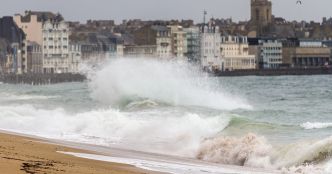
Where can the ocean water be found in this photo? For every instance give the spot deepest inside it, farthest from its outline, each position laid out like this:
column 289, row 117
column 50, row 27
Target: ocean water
column 172, row 108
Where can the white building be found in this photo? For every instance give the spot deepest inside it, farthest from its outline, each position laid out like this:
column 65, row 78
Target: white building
column 235, row 52
column 311, row 43
column 56, row 46
column 270, row 54
column 210, row 48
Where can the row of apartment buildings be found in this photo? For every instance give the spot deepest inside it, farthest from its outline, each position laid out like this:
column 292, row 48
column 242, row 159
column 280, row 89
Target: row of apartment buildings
column 273, row 53
column 202, row 44
column 43, row 42
column 38, row 43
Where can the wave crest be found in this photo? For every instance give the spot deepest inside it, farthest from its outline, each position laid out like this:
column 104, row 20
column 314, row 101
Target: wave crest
column 317, row 125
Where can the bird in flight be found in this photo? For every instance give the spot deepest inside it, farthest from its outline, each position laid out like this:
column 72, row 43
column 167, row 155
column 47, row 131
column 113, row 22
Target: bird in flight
column 299, row 2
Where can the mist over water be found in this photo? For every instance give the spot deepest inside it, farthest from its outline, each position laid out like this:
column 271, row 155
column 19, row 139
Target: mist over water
column 173, row 108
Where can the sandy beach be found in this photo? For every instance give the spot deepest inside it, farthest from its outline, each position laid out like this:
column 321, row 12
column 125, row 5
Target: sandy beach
column 20, row 155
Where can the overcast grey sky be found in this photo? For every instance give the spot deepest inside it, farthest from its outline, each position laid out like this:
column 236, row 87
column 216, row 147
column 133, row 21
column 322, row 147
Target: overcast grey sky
column 81, row 10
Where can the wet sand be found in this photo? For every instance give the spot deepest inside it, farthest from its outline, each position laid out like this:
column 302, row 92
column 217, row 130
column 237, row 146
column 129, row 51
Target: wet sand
column 19, row 155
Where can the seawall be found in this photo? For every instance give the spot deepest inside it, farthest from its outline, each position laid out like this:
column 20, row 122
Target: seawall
column 277, row 72
column 41, row 79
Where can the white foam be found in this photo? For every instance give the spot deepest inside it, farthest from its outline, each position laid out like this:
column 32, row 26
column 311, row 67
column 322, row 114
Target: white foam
column 167, row 131
column 328, row 167
column 316, row 125
column 175, row 83
column 15, row 97
column 250, row 151
column 175, row 167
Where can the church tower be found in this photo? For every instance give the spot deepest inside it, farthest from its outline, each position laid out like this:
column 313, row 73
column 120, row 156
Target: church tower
column 261, row 14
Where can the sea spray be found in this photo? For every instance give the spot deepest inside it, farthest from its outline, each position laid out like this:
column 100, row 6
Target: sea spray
column 254, row 151
column 249, row 150
column 121, row 81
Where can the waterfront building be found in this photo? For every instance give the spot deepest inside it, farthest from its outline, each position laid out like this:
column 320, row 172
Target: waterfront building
column 235, row 52
column 14, row 58
column 210, row 48
column 163, row 41
column 34, row 58
column 270, row 53
column 75, row 57
column 31, row 23
column 55, row 46
column 179, row 41
column 193, row 44
column 306, row 43
column 306, row 57
column 98, row 47
column 141, row 51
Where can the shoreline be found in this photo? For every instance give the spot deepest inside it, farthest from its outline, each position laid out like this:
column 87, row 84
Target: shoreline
column 112, row 159
column 29, row 154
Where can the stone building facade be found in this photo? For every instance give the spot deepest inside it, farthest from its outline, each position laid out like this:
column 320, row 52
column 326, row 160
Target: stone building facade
column 261, row 15
column 235, row 52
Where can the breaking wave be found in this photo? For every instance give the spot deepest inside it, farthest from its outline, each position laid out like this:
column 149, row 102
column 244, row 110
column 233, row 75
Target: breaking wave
column 159, row 131
column 316, row 125
column 254, row 151
column 122, row 81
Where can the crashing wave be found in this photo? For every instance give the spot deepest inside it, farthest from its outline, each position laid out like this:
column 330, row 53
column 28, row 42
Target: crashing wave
column 169, row 131
column 254, row 151
column 249, row 150
column 173, row 83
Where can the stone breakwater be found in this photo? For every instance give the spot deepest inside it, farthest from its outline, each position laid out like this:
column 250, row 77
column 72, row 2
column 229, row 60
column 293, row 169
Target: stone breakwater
column 41, row 79
column 277, row 72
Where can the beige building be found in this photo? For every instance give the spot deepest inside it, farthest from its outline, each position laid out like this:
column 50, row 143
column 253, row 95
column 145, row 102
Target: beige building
column 235, row 52
column 305, row 57
column 179, row 41
column 31, row 26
